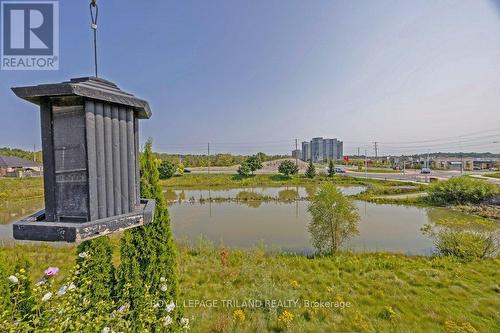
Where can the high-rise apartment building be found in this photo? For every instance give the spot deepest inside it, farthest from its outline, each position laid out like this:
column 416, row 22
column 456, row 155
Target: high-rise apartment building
column 320, row 149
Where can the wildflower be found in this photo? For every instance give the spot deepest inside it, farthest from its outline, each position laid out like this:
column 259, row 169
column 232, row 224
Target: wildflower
column 389, row 313
column 83, row 255
column 51, row 271
column 62, row 290
column 285, row 318
column 106, row 330
column 294, row 284
column 157, row 305
column 467, row 327
column 163, row 287
column 13, row 279
column 185, row 323
column 72, row 286
column 22, row 271
column 122, row 308
column 167, row 320
column 170, row 306
column 47, row 296
column 239, row 315
column 162, row 279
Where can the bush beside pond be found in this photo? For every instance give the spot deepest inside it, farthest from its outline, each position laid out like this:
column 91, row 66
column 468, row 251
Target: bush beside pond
column 461, row 190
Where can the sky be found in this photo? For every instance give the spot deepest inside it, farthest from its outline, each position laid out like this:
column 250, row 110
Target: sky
column 250, row 76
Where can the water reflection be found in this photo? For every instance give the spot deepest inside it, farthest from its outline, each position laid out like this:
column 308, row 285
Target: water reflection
column 250, row 194
column 283, row 225
column 11, row 211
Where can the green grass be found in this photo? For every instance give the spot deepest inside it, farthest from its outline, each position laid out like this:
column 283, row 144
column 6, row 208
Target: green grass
column 14, row 189
column 203, row 181
column 493, row 175
column 386, row 292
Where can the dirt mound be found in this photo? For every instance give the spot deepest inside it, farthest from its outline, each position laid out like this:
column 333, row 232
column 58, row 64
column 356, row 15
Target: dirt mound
column 272, row 166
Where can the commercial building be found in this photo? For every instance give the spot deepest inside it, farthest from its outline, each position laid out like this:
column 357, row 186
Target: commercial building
column 320, row 149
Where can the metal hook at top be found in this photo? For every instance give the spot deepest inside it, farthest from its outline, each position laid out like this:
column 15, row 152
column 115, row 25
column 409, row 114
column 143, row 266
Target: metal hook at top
column 93, row 5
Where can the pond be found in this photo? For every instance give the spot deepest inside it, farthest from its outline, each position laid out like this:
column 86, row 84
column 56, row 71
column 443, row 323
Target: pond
column 278, row 219
column 282, row 225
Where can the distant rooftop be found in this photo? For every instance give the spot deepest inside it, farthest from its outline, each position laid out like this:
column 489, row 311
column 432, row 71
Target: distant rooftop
column 17, row 162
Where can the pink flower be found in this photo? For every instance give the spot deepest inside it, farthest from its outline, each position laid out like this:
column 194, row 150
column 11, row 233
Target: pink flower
column 51, row 271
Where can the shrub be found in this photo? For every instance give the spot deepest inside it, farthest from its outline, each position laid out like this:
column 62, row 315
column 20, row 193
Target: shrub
column 465, row 240
column 254, row 163
column 311, row 170
column 99, row 268
column 331, row 168
column 288, row 168
column 244, row 170
column 460, row 190
column 167, row 169
column 148, row 265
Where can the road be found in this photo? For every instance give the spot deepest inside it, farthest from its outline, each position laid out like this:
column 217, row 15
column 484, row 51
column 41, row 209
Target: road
column 409, row 175
column 416, row 176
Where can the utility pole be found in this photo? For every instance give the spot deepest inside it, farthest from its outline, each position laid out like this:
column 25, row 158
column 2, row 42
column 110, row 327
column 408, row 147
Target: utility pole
column 34, row 153
column 208, row 149
column 375, row 146
column 366, row 163
column 296, row 153
column 461, row 163
column 358, row 152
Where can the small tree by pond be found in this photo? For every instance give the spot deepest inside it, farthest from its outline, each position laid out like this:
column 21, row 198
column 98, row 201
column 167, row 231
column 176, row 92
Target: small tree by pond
column 311, row 170
column 167, row 169
column 288, row 168
column 244, row 170
column 254, row 163
column 334, row 219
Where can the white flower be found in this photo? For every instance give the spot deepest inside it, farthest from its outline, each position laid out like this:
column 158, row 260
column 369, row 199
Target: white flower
column 13, row 279
column 185, row 323
column 72, row 286
column 157, row 305
column 163, row 287
column 83, row 255
column 162, row 279
column 106, row 330
column 170, row 306
column 167, row 320
column 62, row 290
column 47, row 296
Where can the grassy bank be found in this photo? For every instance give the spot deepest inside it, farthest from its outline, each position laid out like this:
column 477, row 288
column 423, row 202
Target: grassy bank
column 224, row 180
column 493, row 175
column 385, row 292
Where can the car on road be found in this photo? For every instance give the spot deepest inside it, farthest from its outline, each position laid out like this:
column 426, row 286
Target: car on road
column 339, row 170
column 425, row 170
